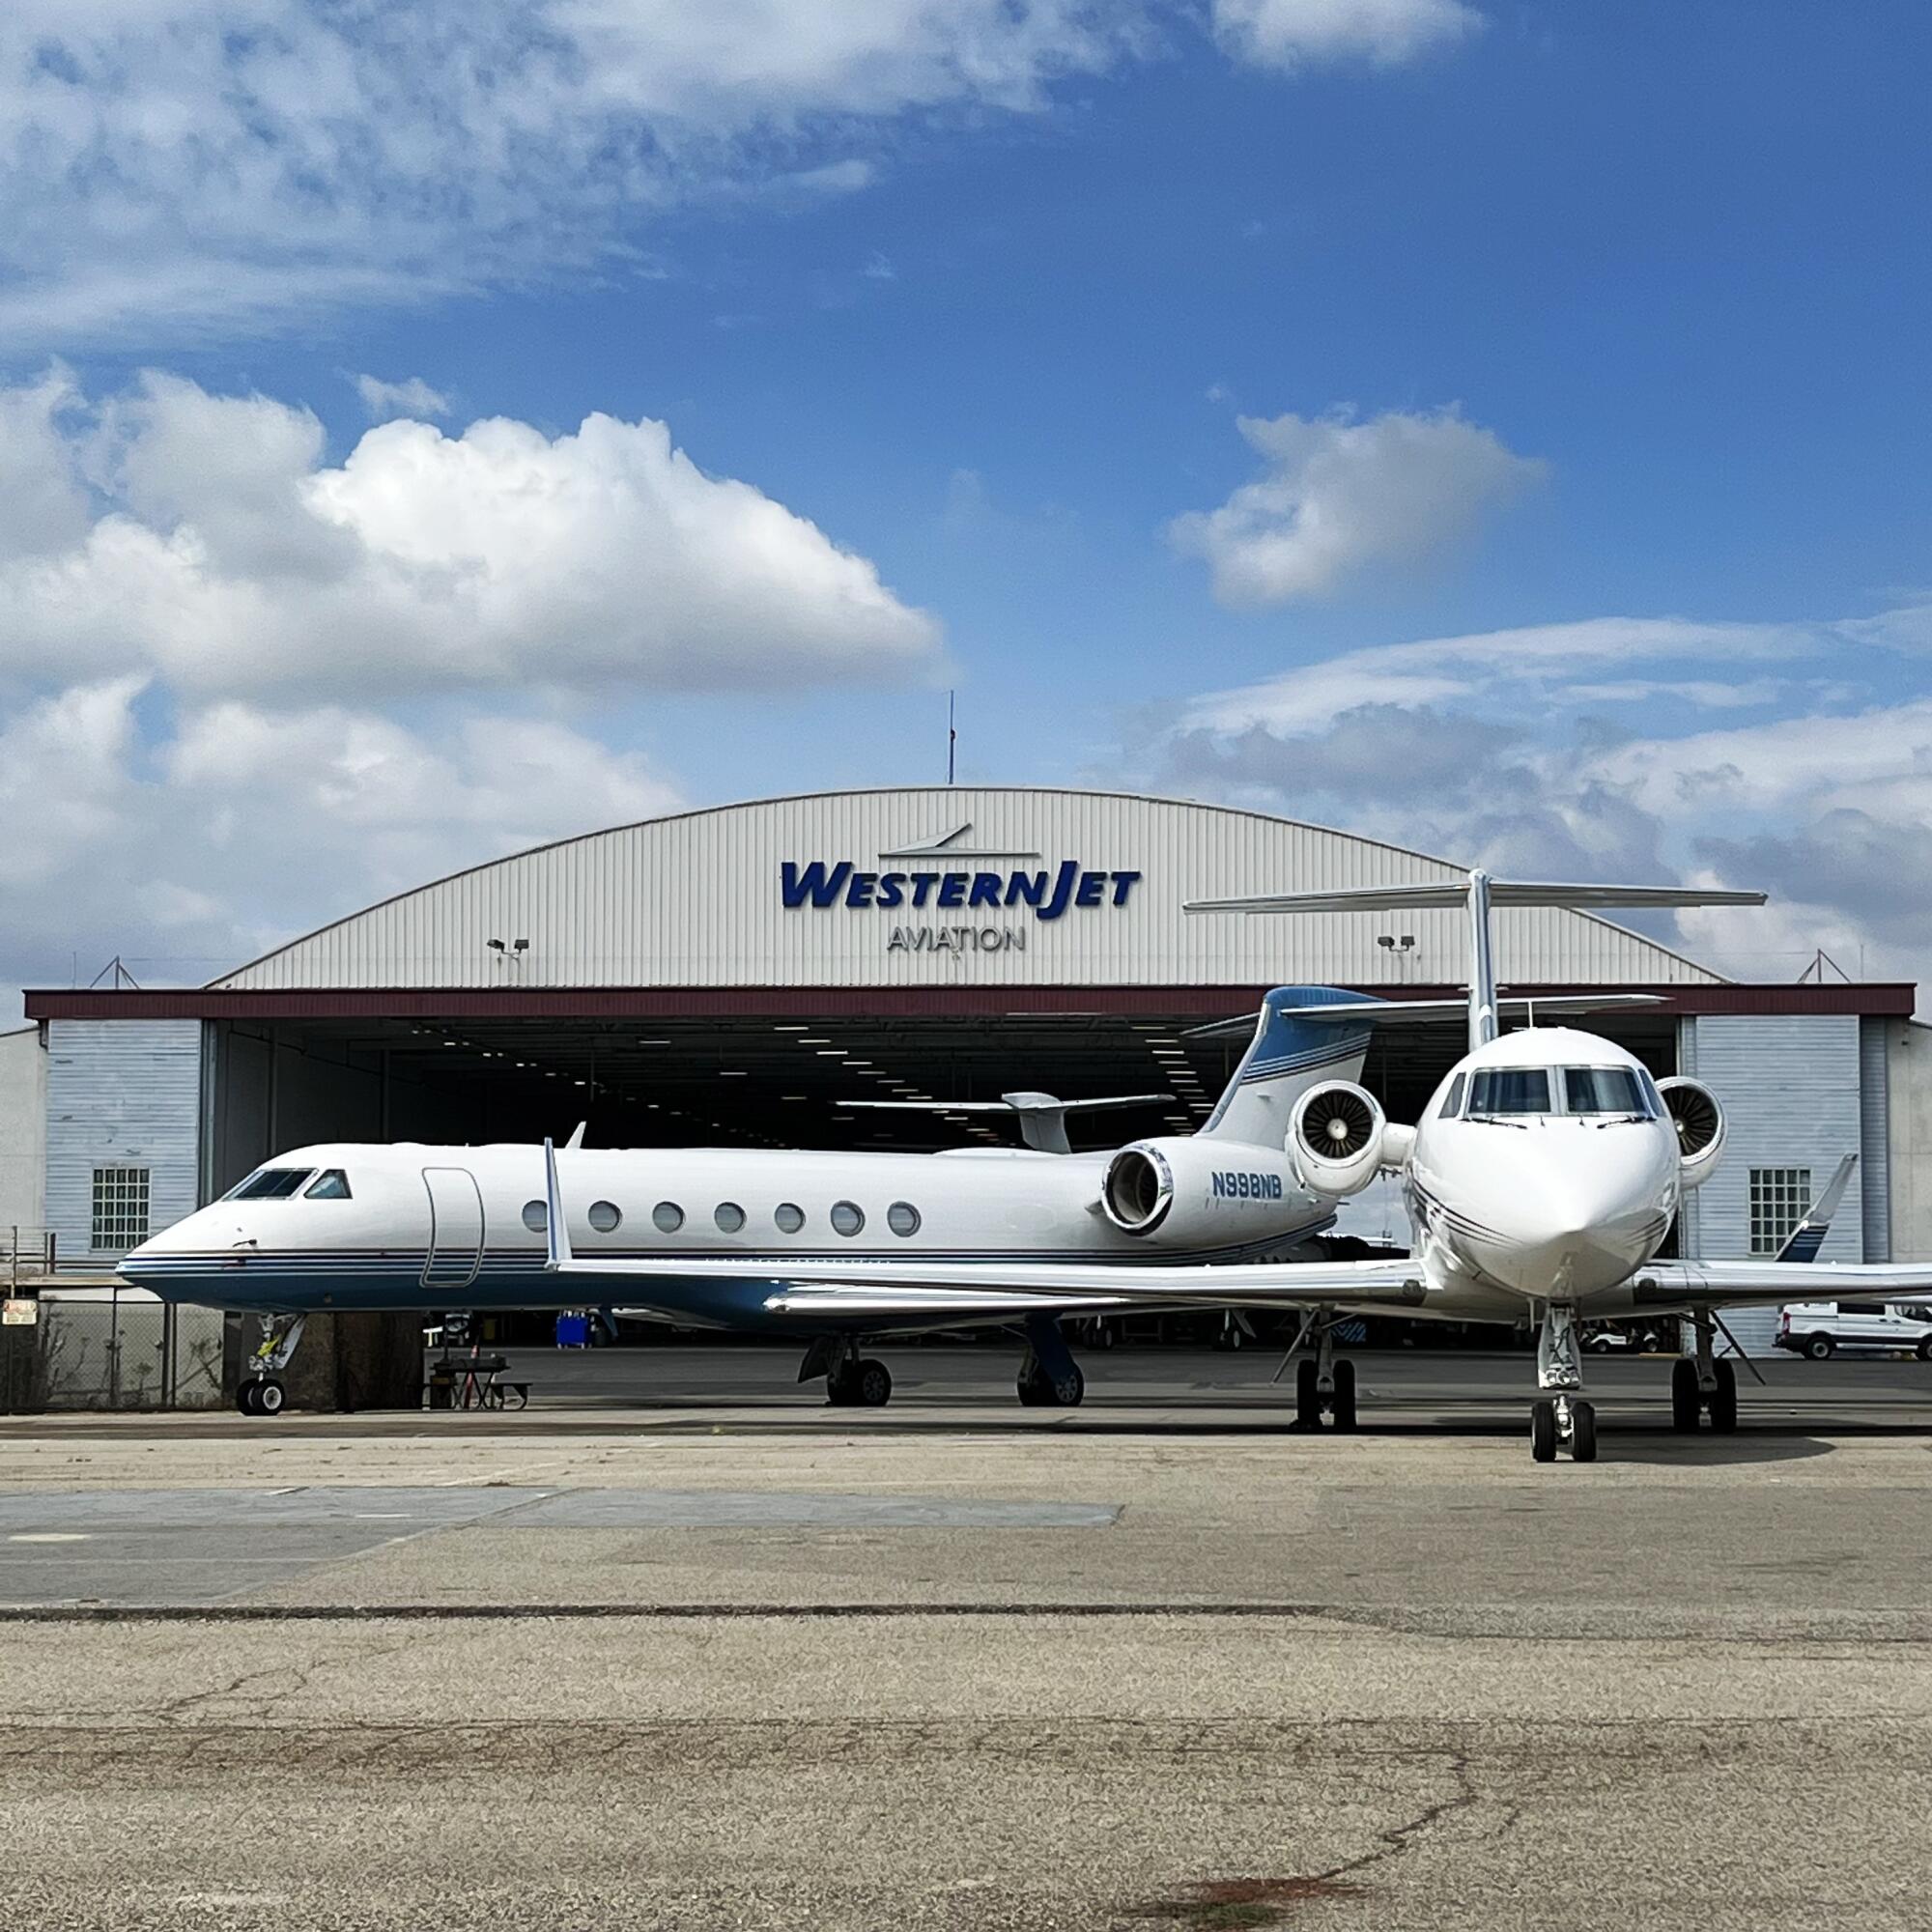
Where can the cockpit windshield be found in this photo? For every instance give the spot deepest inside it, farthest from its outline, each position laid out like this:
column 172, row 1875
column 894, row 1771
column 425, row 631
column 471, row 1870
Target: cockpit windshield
column 1508, row 1089
column 1614, row 1092
column 1602, row 1090
column 270, row 1183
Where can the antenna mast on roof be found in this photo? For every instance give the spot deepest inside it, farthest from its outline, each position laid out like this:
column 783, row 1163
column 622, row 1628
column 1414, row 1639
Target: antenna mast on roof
column 951, row 735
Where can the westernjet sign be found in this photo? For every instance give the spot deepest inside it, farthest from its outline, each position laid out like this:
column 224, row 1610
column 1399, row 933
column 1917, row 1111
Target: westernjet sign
column 921, row 883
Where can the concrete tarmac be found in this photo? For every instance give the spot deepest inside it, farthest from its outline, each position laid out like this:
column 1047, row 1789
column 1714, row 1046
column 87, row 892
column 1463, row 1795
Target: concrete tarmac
column 441, row 1669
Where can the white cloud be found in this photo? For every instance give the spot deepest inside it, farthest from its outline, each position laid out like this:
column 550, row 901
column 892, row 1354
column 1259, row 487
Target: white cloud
column 1541, row 655
column 247, row 826
column 190, row 167
column 231, row 558
column 412, row 397
column 1339, row 496
column 1293, row 33
column 1484, row 749
column 180, row 163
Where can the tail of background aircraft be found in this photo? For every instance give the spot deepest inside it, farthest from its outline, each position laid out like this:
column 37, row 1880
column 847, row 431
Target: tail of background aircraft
column 1286, row 1056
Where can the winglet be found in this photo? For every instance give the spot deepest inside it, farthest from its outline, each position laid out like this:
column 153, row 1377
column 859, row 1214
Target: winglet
column 556, row 1235
column 1805, row 1241
column 577, row 1139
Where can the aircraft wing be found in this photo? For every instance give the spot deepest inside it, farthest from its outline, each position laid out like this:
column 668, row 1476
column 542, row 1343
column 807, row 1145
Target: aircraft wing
column 914, row 1287
column 1693, row 1285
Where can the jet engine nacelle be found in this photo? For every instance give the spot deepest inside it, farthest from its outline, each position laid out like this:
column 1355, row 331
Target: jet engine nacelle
column 1699, row 1119
column 1176, row 1192
column 1335, row 1138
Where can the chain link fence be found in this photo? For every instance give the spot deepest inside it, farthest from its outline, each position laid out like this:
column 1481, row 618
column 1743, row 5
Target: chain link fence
column 110, row 1348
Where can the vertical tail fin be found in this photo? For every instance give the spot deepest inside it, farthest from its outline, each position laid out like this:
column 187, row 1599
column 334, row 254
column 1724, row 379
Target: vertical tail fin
column 1284, row 1060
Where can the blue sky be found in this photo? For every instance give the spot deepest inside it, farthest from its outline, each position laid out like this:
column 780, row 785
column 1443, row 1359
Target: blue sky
column 1496, row 427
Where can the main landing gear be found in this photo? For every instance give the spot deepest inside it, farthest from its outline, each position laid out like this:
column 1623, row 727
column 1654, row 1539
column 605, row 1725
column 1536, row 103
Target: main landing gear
column 1321, row 1381
column 1049, row 1377
column 1702, row 1383
column 260, row 1391
column 851, row 1380
column 1560, row 1417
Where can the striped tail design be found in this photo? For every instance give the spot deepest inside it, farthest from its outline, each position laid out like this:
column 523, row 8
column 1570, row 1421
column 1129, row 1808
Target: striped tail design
column 1284, row 1060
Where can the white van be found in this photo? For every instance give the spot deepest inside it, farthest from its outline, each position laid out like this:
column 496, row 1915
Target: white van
column 1820, row 1328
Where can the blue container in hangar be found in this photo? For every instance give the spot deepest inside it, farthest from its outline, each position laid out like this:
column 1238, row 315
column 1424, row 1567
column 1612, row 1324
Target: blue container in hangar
column 573, row 1331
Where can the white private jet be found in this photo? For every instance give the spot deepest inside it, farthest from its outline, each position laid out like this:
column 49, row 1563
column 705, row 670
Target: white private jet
column 407, row 1227
column 1541, row 1182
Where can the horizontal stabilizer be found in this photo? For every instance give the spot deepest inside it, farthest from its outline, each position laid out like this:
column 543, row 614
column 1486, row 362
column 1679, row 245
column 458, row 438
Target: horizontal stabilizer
column 1430, row 1012
column 1447, row 893
column 1042, row 1117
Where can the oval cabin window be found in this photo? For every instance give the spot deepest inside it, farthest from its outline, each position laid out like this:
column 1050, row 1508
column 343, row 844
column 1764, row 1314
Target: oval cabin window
column 729, row 1216
column 667, row 1216
column 902, row 1218
column 790, row 1218
column 847, row 1217
column 536, row 1216
column 604, row 1216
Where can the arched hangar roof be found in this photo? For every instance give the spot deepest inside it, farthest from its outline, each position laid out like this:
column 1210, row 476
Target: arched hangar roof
column 905, row 887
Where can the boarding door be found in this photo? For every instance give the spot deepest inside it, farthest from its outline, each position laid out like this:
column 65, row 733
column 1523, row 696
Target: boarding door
column 455, row 1228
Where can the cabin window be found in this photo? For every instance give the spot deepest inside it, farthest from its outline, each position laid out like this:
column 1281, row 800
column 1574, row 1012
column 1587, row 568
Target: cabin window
column 331, row 1184
column 1602, row 1090
column 667, row 1217
column 271, row 1183
column 729, row 1216
column 902, row 1218
column 1508, row 1089
column 536, row 1217
column 1453, row 1104
column 604, row 1216
column 790, row 1218
column 847, row 1217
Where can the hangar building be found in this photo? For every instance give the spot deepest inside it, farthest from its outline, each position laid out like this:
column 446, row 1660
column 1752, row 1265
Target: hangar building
column 735, row 975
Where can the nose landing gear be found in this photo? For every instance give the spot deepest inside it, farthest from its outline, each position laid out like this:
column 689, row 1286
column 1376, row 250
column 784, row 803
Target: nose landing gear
column 260, row 1391
column 1560, row 1417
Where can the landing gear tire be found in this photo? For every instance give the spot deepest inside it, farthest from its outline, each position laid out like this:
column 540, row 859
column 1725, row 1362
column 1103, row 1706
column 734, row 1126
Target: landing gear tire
column 872, row 1384
column 1040, row 1390
column 1722, row 1401
column 1582, row 1433
column 271, row 1398
column 1685, row 1399
column 1342, row 1403
column 1819, row 1348
column 244, row 1395
column 1307, row 1394
column 1542, row 1430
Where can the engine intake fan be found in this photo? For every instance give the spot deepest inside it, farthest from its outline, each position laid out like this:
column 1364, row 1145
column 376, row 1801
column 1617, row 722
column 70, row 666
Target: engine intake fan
column 1699, row 1119
column 1335, row 1137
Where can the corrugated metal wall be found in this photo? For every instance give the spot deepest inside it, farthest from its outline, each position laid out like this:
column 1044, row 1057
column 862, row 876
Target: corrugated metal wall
column 1875, row 1139
column 1791, row 1090
column 120, row 1093
column 694, row 901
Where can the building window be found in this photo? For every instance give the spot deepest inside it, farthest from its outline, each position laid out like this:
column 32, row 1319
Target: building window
column 902, row 1218
column 790, row 1218
column 605, row 1217
column 1778, row 1199
column 847, row 1217
column 120, row 1208
column 536, row 1216
column 729, row 1216
column 667, row 1217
